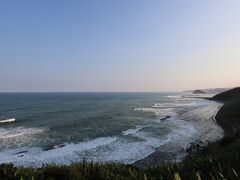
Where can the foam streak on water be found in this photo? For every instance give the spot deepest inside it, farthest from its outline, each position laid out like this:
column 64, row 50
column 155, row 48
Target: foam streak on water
column 7, row 120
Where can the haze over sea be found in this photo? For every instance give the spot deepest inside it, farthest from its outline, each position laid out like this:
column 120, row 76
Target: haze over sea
column 122, row 127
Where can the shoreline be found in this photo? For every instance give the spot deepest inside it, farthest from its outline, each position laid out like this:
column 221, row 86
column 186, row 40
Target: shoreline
column 229, row 132
column 214, row 116
column 197, row 146
column 228, row 118
column 160, row 157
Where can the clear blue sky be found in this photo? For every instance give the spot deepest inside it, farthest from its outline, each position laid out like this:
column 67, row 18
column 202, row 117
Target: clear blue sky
column 125, row 45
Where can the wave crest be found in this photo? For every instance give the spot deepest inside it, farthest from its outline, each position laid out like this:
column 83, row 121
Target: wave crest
column 7, row 120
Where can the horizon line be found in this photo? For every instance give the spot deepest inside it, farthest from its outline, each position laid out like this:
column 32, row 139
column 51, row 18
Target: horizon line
column 91, row 91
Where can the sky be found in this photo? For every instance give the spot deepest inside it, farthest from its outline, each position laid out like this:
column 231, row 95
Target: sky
column 118, row 45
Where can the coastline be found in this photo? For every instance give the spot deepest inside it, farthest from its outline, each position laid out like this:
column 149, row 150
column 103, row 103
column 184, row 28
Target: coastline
column 214, row 117
column 198, row 148
column 218, row 160
column 228, row 118
column 207, row 136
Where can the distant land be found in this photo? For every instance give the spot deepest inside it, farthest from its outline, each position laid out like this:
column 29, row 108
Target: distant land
column 199, row 92
column 209, row 91
column 227, row 96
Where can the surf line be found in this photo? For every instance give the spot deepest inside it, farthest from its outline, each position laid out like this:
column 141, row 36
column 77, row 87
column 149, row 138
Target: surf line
column 8, row 120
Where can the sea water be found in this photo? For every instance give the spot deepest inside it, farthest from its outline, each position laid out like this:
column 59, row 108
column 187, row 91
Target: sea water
column 37, row 128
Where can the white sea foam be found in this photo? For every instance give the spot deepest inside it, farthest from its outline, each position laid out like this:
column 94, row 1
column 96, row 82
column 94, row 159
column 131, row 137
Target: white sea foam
column 103, row 149
column 119, row 149
column 64, row 155
column 7, row 120
column 158, row 112
column 128, row 151
column 172, row 105
column 18, row 137
column 168, row 108
column 132, row 131
column 18, row 132
column 175, row 97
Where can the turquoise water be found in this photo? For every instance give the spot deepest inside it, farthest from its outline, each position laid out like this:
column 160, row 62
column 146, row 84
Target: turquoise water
column 67, row 127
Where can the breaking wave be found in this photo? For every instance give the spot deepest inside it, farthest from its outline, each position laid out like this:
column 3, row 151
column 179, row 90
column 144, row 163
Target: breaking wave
column 7, row 120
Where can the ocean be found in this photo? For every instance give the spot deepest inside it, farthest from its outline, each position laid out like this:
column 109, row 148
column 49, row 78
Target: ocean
column 38, row 128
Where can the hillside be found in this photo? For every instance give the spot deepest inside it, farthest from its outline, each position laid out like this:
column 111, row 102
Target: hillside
column 229, row 115
column 228, row 96
column 211, row 91
column 198, row 92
